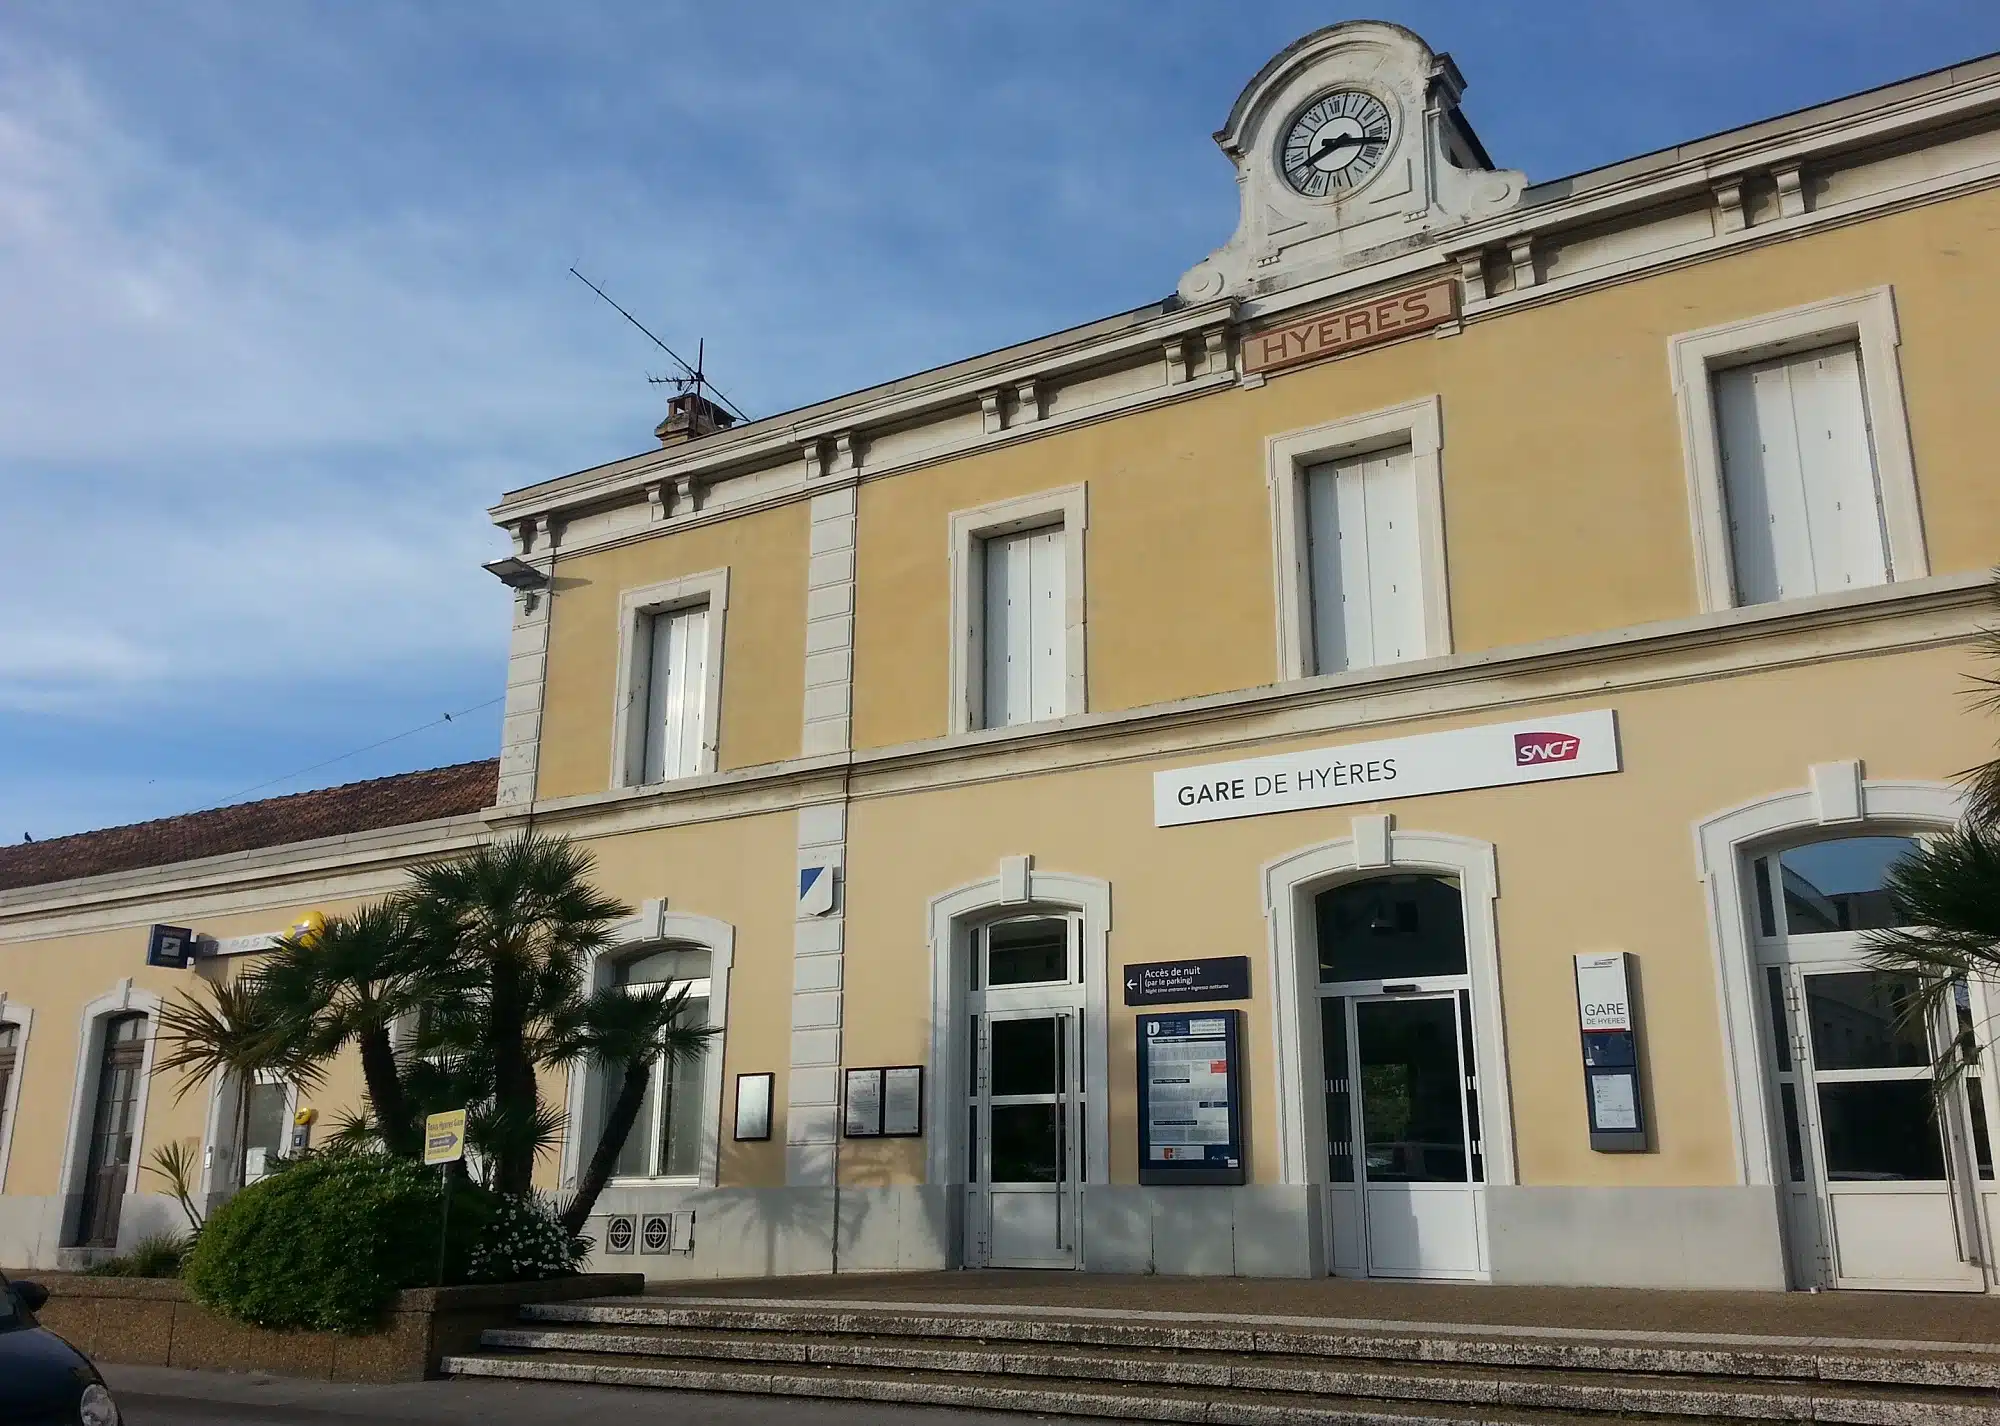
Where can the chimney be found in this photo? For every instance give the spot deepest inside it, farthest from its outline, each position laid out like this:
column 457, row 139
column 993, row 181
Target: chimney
column 690, row 416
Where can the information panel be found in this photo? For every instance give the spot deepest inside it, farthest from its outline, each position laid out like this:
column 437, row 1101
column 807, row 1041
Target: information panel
column 1613, row 1094
column 1190, row 1099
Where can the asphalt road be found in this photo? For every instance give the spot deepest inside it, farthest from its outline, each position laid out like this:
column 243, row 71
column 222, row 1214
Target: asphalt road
column 163, row 1396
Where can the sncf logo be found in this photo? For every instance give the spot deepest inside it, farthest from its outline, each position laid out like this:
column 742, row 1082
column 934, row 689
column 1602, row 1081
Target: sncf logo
column 1532, row 748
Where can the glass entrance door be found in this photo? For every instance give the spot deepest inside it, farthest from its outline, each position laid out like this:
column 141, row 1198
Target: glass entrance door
column 1418, row 1149
column 1885, row 1161
column 1027, row 1131
column 1405, row 1165
column 1879, row 1172
column 112, row 1131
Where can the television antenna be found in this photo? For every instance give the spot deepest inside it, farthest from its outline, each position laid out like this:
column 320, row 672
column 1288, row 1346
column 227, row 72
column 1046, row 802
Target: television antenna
column 693, row 379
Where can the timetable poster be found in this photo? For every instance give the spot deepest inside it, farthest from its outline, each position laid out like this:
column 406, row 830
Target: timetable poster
column 1190, row 1102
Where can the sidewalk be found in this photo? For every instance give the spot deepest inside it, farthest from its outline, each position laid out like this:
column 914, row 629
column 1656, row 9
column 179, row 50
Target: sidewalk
column 1857, row 1317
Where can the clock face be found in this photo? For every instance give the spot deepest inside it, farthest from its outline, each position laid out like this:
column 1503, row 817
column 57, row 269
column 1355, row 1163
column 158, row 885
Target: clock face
column 1336, row 144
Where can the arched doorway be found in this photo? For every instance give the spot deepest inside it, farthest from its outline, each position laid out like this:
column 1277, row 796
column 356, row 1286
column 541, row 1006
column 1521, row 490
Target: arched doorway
column 1392, row 1065
column 1405, row 1155
column 1017, row 1078
column 1878, row 1172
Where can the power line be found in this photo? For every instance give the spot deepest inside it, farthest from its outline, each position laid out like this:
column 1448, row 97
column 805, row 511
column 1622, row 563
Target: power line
column 694, row 372
column 357, row 752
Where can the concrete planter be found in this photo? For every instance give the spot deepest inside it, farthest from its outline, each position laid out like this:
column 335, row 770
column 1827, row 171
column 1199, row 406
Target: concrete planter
column 151, row 1322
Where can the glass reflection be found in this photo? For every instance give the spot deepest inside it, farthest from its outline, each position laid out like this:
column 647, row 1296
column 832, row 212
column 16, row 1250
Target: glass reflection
column 1860, row 1020
column 1390, row 928
column 1839, row 885
column 1412, row 1115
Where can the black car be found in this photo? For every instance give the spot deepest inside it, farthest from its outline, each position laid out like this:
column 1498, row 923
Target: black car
column 44, row 1381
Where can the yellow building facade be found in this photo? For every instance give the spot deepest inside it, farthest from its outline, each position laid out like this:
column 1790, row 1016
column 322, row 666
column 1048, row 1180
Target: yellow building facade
column 1381, row 763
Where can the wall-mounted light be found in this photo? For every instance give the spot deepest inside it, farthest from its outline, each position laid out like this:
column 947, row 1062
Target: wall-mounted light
column 516, row 573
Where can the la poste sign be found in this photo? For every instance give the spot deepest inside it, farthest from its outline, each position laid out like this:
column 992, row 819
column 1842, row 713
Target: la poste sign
column 1496, row 755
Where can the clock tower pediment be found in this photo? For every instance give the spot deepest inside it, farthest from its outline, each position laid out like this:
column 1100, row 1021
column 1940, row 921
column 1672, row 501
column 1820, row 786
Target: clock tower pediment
column 1348, row 146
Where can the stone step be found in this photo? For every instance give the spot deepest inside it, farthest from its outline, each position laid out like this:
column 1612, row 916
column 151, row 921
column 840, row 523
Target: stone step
column 998, row 1393
column 1927, row 1365
column 1676, row 1396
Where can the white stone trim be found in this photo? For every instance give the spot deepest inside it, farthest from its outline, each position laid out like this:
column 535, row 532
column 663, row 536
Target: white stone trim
column 527, row 670
column 16, row 1014
column 969, row 529
column 1866, row 318
column 1724, row 845
column 1290, row 883
column 656, row 924
column 710, row 588
column 1287, row 456
column 818, row 1008
column 829, row 678
column 952, row 918
column 122, row 998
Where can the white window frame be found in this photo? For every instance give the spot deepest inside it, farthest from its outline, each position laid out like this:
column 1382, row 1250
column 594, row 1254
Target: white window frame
column 23, row 1019
column 656, row 928
column 636, row 607
column 219, row 1125
column 1289, row 455
column 1866, row 319
column 124, row 999
column 1066, row 507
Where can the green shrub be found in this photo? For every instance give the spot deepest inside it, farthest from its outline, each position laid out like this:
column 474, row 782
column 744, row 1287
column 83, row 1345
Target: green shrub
column 325, row 1242
column 158, row 1256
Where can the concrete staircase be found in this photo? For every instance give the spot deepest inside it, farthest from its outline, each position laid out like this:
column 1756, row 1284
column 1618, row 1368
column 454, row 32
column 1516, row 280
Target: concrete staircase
column 1255, row 1371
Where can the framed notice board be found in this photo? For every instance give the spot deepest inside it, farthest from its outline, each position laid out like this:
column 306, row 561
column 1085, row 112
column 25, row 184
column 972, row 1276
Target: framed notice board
column 1191, row 1098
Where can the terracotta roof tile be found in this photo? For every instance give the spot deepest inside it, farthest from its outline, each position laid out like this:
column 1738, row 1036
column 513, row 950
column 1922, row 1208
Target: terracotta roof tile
column 331, row 811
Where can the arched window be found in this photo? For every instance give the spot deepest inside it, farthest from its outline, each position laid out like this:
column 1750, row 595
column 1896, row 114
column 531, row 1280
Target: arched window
column 1823, row 888
column 667, row 1139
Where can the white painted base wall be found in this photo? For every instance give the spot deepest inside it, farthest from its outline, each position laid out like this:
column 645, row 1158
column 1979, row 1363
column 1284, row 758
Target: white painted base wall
column 1639, row 1237
column 31, row 1228
column 1636, row 1237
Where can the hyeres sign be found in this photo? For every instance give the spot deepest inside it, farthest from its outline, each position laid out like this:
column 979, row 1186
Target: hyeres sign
column 1358, row 324
column 1543, row 750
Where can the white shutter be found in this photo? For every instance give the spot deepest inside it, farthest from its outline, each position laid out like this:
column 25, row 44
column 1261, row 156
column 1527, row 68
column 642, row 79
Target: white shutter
column 1798, row 468
column 1363, row 562
column 676, row 692
column 1023, row 660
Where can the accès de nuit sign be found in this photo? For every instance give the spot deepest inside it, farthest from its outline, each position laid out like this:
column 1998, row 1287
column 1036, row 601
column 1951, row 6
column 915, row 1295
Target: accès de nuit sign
column 1494, row 755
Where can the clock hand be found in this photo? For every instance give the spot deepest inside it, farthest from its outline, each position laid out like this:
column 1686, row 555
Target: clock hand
column 1334, row 145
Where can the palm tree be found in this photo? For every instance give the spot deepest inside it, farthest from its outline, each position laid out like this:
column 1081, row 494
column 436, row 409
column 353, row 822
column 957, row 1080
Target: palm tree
column 353, row 980
column 240, row 1034
column 628, row 1033
column 1948, row 892
column 522, row 921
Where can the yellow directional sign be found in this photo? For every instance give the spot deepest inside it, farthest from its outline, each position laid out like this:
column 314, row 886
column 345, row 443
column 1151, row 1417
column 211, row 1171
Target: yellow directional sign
column 444, row 1137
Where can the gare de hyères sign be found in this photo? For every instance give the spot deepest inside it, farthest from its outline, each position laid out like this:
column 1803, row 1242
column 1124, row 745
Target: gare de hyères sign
column 1495, row 755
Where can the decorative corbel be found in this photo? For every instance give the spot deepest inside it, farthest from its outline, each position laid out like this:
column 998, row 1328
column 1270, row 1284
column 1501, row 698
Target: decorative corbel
column 815, row 455
column 659, row 500
column 687, row 494
column 1027, row 402
column 1521, row 257
column 1472, row 274
column 989, row 412
column 1175, row 352
column 1215, row 351
column 1792, row 200
column 846, row 454
column 1729, row 214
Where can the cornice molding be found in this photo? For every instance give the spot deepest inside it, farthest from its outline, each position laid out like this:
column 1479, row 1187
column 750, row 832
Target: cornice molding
column 1713, row 169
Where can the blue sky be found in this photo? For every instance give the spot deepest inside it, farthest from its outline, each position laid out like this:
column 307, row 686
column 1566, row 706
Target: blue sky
column 284, row 302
